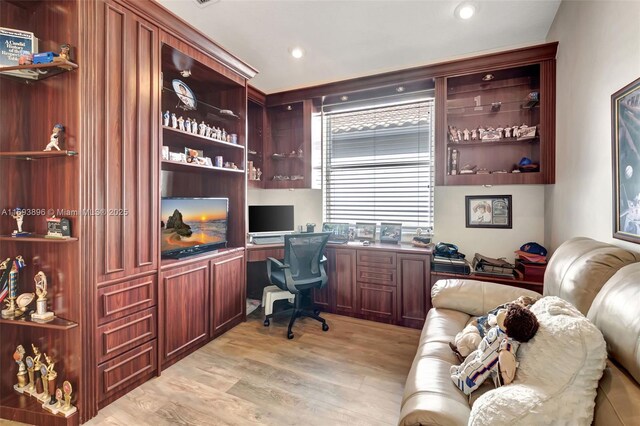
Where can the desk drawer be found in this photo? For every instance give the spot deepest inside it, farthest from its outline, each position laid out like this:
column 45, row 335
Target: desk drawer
column 260, row 255
column 367, row 274
column 125, row 298
column 376, row 259
column 126, row 333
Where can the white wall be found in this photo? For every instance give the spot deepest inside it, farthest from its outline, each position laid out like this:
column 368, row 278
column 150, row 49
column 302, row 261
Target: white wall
column 307, row 203
column 599, row 53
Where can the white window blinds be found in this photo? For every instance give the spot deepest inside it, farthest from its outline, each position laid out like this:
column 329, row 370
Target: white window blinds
column 378, row 165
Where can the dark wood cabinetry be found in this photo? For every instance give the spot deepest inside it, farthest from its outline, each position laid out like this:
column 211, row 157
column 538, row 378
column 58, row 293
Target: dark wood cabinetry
column 414, row 289
column 228, row 288
column 342, row 273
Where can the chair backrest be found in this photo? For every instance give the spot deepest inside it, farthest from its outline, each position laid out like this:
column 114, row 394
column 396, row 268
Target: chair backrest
column 303, row 252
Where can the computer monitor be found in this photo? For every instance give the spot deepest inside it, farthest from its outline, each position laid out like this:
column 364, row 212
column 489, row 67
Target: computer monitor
column 271, row 219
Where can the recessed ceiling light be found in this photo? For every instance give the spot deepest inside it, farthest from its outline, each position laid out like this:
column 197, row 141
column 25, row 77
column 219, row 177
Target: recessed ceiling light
column 465, row 11
column 297, row 52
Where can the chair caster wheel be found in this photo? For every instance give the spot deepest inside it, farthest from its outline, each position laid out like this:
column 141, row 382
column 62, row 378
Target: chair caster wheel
column 266, row 322
column 289, row 335
column 325, row 326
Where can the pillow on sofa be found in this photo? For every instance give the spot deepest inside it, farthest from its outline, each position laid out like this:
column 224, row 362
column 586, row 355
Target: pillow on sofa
column 557, row 379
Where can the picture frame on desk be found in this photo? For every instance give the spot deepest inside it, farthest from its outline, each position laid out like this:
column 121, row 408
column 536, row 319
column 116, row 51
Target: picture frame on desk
column 390, row 233
column 488, row 211
column 625, row 114
column 365, row 231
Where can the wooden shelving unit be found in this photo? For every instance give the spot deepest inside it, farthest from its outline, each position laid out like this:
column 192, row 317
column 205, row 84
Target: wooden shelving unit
column 37, row 239
column 177, row 166
column 196, row 141
column 26, row 409
column 36, row 155
column 41, row 71
column 55, row 324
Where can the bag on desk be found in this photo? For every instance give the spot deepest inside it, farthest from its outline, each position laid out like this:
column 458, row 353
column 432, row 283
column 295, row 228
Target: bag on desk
column 490, row 266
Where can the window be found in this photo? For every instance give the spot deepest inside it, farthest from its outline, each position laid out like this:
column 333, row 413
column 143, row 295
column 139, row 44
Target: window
column 378, row 165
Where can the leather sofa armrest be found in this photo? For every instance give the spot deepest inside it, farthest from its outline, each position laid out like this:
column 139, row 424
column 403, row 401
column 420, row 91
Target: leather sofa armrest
column 474, row 297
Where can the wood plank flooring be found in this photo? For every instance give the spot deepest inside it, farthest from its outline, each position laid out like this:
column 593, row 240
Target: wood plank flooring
column 353, row 374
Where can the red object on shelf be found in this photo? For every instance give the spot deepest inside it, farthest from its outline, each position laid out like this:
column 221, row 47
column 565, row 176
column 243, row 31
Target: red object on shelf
column 531, row 271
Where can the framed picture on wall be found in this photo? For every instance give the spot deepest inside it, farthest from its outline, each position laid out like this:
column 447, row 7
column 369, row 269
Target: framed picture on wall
column 488, row 211
column 625, row 145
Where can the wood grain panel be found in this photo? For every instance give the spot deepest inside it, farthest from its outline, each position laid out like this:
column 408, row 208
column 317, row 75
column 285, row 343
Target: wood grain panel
column 260, row 255
column 126, row 371
column 126, row 333
column 371, row 275
column 186, row 310
column 548, row 120
column 414, row 297
column 228, row 287
column 343, row 273
column 124, row 298
column 377, row 302
column 377, row 258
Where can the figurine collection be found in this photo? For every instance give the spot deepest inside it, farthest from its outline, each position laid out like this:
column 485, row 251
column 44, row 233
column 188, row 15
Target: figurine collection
column 16, row 306
column 203, row 129
column 491, row 134
column 37, row 378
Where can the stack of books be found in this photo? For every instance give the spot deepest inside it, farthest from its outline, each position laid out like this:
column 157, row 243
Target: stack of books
column 451, row 266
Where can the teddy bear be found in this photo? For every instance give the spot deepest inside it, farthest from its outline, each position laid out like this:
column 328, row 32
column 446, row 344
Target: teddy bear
column 496, row 353
column 470, row 337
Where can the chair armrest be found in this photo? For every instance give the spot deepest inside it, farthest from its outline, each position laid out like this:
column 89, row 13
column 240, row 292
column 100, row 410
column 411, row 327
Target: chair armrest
column 324, row 259
column 474, row 297
column 277, row 263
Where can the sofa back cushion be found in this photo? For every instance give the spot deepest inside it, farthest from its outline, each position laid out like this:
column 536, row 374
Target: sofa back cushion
column 616, row 312
column 580, row 267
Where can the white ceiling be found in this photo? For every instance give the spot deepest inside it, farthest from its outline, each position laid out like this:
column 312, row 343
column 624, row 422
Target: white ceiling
column 347, row 39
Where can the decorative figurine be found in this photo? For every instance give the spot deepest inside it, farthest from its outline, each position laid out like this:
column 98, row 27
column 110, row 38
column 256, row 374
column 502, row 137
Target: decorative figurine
column 507, row 132
column 481, row 131
column 459, row 134
column 515, row 131
column 31, row 387
column 58, row 405
column 16, row 267
column 187, row 125
column 58, row 228
column 454, row 162
column 4, row 278
column 64, row 52
column 57, row 134
column 202, row 128
column 258, row 173
column 51, row 384
column 45, row 384
column 500, row 131
column 223, row 136
column 67, row 409
column 23, row 301
column 18, row 355
column 174, row 120
column 474, row 134
column 194, row 126
column 165, row 119
column 181, row 123
column 466, row 134
column 18, row 215
column 41, row 313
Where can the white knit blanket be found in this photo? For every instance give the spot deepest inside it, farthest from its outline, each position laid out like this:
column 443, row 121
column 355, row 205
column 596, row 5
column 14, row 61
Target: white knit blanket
column 557, row 379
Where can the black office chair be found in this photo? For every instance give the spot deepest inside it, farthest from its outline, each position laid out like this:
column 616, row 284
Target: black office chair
column 303, row 270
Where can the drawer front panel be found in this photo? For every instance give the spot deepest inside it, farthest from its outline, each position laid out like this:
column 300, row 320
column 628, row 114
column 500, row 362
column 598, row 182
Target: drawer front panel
column 126, row 371
column 377, row 302
column 371, row 275
column 125, row 298
column 377, row 259
column 126, row 333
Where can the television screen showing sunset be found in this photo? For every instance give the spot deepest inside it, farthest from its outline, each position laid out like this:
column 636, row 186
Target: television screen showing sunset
column 189, row 222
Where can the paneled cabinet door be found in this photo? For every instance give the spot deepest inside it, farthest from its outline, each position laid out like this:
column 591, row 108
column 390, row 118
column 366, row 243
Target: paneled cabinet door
column 227, row 293
column 344, row 281
column 414, row 284
column 126, row 211
column 186, row 308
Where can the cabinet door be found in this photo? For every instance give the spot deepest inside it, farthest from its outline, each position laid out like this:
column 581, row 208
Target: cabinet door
column 126, row 187
column 186, row 308
column 414, row 299
column 227, row 293
column 344, row 281
column 376, row 302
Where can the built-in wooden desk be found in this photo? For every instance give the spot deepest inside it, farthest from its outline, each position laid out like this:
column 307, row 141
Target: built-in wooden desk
column 380, row 282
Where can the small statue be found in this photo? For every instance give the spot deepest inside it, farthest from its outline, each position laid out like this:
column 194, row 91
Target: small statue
column 41, row 313
column 166, row 118
column 30, row 371
column 500, row 131
column 187, row 125
column 181, row 123
column 515, row 131
column 481, row 131
column 18, row 355
column 174, row 120
column 459, row 134
column 202, row 128
column 57, row 135
column 223, row 135
column 258, row 173
column 507, row 132
column 18, row 215
column 12, row 287
column 52, row 375
column 67, row 409
column 466, row 134
column 64, row 52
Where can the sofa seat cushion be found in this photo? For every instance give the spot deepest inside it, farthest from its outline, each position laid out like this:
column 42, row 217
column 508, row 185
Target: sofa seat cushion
column 618, row 400
column 558, row 375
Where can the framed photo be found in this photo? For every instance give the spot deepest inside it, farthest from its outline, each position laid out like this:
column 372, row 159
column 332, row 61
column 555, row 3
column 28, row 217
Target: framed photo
column 625, row 142
column 390, row 232
column 488, row 211
column 340, row 231
column 365, row 231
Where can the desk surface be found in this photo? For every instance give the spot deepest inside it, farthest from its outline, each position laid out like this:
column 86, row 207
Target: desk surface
column 398, row 248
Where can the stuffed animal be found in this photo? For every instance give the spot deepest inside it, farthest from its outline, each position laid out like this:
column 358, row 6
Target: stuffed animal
column 496, row 354
column 470, row 337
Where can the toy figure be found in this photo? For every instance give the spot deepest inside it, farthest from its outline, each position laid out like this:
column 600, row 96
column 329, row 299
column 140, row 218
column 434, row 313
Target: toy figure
column 202, row 128
column 56, row 137
column 166, row 117
column 187, row 125
column 181, row 123
column 466, row 134
column 64, row 52
column 474, row 134
column 515, row 131
column 496, row 354
column 507, row 132
column 174, row 121
column 470, row 337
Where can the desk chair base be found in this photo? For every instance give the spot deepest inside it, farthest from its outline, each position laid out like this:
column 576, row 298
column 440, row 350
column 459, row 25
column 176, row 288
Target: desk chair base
column 297, row 312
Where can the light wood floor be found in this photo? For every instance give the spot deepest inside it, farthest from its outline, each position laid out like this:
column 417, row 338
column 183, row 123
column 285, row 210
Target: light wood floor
column 351, row 375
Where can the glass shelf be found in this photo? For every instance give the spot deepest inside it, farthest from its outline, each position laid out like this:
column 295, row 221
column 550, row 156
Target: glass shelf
column 177, row 166
column 501, row 142
column 55, row 324
column 212, row 110
column 200, row 141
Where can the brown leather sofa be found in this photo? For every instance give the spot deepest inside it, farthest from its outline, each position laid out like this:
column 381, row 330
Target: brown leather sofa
column 601, row 280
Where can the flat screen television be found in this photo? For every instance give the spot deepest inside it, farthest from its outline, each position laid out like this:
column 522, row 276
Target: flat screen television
column 274, row 219
column 193, row 225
